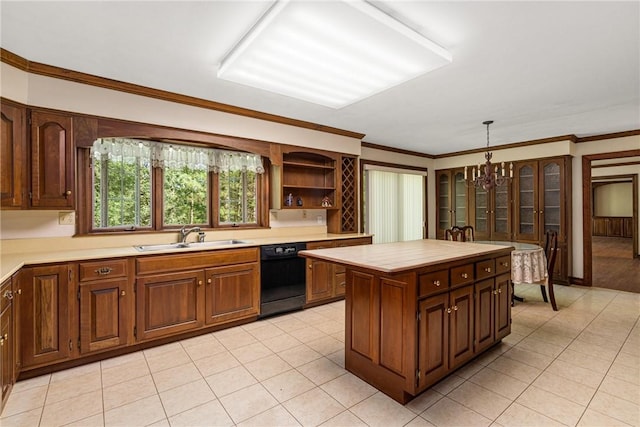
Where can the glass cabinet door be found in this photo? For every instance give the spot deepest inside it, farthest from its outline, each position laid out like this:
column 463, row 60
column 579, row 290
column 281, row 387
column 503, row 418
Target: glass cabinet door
column 550, row 208
column 526, row 212
column 444, row 204
column 501, row 213
column 481, row 214
column 460, row 200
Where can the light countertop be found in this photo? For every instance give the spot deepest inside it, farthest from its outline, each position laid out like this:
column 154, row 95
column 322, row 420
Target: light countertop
column 12, row 262
column 403, row 256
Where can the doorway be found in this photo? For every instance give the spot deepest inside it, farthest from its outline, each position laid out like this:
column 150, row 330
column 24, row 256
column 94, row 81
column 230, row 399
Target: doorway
column 624, row 158
column 612, row 249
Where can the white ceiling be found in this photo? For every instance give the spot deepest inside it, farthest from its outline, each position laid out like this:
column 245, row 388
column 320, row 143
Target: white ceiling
column 539, row 69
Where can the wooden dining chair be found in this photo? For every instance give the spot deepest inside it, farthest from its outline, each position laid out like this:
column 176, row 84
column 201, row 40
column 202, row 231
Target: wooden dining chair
column 460, row 234
column 550, row 251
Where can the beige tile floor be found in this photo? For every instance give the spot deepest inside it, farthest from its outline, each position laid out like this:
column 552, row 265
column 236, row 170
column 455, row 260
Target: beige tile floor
column 577, row 366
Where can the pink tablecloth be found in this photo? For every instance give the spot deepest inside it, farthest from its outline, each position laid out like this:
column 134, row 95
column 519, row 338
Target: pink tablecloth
column 528, row 266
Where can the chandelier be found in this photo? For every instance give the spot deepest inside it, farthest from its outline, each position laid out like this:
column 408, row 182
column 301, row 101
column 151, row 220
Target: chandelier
column 488, row 175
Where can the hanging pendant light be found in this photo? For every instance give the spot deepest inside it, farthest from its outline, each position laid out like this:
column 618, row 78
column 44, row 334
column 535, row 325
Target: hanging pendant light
column 489, row 176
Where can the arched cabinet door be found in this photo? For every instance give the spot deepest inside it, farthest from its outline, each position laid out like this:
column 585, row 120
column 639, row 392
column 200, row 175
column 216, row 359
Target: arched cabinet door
column 52, row 161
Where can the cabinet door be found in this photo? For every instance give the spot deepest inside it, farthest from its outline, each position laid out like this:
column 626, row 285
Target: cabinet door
column 232, row 292
column 501, row 202
column 52, row 161
column 105, row 314
column 459, row 199
column 45, row 315
column 502, row 309
column 484, row 314
column 7, row 343
column 461, row 326
column 13, row 157
column 169, row 304
column 433, row 339
column 526, row 213
column 551, row 197
column 320, row 274
column 443, row 198
column 481, row 203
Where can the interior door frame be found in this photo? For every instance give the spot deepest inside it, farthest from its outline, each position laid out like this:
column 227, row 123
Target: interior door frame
column 587, row 209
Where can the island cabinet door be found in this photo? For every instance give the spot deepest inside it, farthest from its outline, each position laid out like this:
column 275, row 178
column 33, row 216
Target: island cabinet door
column 503, row 306
column 169, row 303
column 433, row 339
column 232, row 292
column 484, row 314
column 461, row 326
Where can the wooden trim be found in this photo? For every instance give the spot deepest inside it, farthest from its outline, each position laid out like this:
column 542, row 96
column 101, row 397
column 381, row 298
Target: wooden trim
column 610, row 165
column 396, row 150
column 571, row 138
column 608, row 136
column 92, row 80
column 576, row 281
column 587, row 256
column 392, row 165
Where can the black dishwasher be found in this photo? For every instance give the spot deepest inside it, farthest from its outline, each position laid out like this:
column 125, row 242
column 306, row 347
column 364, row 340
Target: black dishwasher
column 282, row 278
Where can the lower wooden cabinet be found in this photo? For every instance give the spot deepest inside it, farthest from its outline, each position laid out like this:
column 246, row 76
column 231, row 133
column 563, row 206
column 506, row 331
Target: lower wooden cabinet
column 47, row 315
column 105, row 315
column 7, row 342
column 186, row 292
column 169, row 303
column 445, row 334
column 327, row 281
column 232, row 292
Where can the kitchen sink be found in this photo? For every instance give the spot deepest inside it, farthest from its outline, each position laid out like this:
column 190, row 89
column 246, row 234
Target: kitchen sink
column 193, row 245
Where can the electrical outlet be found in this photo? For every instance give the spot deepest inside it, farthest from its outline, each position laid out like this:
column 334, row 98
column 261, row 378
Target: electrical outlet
column 66, row 218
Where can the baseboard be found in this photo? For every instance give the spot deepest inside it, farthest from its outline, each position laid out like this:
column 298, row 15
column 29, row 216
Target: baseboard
column 576, row 281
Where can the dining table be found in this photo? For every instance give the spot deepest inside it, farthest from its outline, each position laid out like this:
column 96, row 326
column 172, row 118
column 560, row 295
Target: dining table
column 528, row 262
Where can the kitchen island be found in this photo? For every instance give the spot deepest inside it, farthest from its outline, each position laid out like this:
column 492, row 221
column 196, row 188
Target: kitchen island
column 418, row 310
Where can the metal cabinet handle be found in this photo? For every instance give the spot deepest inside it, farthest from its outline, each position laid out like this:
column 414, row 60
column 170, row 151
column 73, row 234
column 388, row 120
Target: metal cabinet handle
column 455, row 308
column 448, row 310
column 310, row 266
column 199, row 282
column 209, row 281
column 499, row 291
column 8, row 295
column 103, row 271
column 436, row 282
column 488, row 269
column 504, row 264
column 67, row 193
column 123, row 293
column 464, row 275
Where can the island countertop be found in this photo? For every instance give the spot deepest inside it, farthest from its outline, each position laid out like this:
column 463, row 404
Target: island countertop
column 403, row 256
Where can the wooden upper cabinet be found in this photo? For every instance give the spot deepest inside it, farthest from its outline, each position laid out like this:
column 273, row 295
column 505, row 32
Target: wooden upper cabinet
column 491, row 212
column 52, row 161
column 13, row 157
column 345, row 219
column 308, row 177
column 451, row 194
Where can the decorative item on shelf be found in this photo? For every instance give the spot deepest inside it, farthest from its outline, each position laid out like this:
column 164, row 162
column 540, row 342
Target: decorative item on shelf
column 289, row 200
column 489, row 176
column 299, row 201
column 326, row 202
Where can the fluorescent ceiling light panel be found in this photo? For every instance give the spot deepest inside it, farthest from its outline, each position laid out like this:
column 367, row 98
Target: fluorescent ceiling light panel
column 332, row 53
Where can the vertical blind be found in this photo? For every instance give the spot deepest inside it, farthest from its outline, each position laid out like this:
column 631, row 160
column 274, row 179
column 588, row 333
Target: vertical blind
column 394, row 205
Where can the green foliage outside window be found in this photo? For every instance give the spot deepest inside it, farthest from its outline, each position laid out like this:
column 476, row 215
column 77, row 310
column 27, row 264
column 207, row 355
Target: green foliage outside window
column 185, row 196
column 121, row 194
column 237, row 197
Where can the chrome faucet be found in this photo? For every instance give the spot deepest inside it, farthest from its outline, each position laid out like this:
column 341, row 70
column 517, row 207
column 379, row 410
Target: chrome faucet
column 184, row 232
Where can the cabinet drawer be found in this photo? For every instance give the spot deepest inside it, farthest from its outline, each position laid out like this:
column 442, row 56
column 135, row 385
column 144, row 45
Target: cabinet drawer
column 431, row 283
column 5, row 295
column 191, row 261
column 102, row 269
column 485, row 269
column 503, row 264
column 462, row 275
column 353, row 242
column 323, row 244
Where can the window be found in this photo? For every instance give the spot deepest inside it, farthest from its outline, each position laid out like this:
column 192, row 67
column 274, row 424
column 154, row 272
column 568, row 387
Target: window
column 394, row 204
column 189, row 185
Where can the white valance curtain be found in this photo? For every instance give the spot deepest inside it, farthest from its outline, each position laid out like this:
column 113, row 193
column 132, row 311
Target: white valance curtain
column 162, row 154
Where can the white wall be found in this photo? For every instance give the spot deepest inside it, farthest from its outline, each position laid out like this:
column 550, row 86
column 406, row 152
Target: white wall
column 613, row 199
